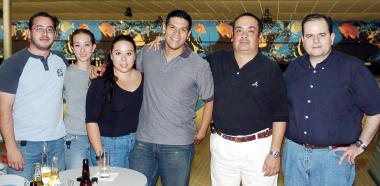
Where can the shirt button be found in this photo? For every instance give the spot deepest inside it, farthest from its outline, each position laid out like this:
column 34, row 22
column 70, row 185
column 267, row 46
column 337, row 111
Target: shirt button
column 306, row 117
column 314, row 71
column 304, row 132
column 309, row 101
column 237, row 73
column 323, row 68
column 311, row 86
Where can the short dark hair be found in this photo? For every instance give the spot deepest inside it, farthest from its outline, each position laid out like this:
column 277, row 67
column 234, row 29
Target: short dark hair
column 317, row 16
column 250, row 15
column 43, row 14
column 181, row 14
column 82, row 31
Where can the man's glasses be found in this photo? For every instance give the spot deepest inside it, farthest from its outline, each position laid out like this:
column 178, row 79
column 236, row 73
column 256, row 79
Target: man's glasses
column 42, row 29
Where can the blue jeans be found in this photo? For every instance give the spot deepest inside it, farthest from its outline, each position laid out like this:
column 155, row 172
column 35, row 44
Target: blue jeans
column 171, row 162
column 77, row 148
column 303, row 166
column 31, row 151
column 118, row 149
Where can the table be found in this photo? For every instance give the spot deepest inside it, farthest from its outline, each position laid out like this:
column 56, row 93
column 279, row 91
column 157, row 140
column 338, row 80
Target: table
column 12, row 180
column 127, row 177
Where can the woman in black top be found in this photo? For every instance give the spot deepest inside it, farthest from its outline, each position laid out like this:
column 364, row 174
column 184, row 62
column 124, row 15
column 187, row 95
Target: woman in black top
column 113, row 104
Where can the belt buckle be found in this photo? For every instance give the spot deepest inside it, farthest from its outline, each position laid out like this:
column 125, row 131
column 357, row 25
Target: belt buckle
column 238, row 140
column 309, row 146
column 267, row 133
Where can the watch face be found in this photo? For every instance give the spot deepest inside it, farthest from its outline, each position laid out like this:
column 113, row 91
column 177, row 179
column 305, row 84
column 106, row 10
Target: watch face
column 275, row 154
column 358, row 143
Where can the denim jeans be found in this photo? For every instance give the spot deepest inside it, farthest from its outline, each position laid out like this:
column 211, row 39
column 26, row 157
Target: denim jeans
column 31, row 151
column 118, row 149
column 304, row 167
column 171, row 162
column 77, row 148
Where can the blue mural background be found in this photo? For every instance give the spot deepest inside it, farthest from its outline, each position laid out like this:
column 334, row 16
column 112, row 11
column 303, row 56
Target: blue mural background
column 281, row 40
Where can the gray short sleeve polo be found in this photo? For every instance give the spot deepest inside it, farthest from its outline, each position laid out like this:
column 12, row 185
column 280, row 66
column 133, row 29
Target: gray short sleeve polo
column 171, row 90
column 37, row 84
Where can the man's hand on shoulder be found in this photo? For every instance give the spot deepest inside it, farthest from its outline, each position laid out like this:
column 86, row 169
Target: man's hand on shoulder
column 155, row 44
column 97, row 71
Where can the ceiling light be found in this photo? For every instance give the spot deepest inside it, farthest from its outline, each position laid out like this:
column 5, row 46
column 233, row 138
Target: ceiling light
column 128, row 12
column 267, row 17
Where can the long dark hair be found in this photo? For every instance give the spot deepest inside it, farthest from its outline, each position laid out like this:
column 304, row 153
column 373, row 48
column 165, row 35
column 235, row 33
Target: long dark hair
column 110, row 78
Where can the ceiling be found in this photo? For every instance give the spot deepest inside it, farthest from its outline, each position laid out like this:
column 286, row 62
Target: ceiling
column 198, row 9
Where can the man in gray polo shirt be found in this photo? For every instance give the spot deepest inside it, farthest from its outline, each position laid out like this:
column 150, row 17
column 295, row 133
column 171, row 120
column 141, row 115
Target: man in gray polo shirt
column 31, row 107
column 174, row 78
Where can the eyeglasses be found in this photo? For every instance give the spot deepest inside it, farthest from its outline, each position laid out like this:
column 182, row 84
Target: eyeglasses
column 41, row 29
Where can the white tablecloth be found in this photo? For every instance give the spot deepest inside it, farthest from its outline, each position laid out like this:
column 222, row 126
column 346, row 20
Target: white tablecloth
column 12, row 180
column 125, row 177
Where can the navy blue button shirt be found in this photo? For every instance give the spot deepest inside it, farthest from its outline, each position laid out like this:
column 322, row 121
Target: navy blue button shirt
column 326, row 103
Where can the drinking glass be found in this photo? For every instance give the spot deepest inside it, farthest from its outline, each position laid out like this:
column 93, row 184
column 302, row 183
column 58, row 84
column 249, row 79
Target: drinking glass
column 104, row 164
column 45, row 167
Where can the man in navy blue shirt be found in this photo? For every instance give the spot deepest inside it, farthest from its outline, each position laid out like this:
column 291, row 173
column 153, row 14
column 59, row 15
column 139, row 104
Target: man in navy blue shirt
column 250, row 110
column 328, row 92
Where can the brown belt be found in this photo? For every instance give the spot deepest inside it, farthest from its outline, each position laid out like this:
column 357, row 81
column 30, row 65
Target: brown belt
column 246, row 138
column 311, row 146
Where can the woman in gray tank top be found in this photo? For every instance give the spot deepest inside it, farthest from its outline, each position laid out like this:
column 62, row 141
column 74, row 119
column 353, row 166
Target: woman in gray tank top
column 76, row 84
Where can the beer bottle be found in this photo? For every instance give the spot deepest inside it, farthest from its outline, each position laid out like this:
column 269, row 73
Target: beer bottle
column 85, row 174
column 37, row 177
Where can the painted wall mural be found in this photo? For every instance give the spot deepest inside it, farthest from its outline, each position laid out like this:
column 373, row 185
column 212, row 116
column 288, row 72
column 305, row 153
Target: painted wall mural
column 281, row 40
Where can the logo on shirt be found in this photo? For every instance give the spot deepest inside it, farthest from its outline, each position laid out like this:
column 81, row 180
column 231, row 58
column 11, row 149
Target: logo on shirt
column 255, row 84
column 60, row 72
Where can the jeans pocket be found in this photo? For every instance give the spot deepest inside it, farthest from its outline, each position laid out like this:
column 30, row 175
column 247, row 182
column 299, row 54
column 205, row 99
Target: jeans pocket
column 338, row 153
column 131, row 143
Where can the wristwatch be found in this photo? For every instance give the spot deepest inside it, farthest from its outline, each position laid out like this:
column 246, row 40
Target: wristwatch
column 359, row 143
column 275, row 154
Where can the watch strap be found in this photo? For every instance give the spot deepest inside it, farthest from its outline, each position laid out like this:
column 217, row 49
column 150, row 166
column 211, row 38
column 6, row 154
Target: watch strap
column 359, row 143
